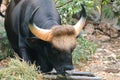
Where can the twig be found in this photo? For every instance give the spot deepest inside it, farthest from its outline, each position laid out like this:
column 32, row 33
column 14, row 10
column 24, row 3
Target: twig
column 64, row 3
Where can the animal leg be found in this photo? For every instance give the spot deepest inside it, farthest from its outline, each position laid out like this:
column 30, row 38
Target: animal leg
column 24, row 54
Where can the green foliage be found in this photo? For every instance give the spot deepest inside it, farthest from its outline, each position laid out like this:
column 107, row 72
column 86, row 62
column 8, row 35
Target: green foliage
column 19, row 70
column 107, row 12
column 111, row 9
column 118, row 21
column 5, row 48
column 118, row 57
column 83, row 50
column 67, row 8
column 105, row 2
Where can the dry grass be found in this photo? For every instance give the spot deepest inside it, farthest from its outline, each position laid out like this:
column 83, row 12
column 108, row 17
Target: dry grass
column 19, row 70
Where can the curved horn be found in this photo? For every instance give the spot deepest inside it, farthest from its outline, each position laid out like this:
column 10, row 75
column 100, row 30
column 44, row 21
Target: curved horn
column 40, row 33
column 81, row 23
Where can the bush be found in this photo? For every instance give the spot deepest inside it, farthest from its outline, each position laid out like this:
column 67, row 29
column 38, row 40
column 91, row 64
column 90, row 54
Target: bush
column 5, row 48
column 83, row 50
column 19, row 70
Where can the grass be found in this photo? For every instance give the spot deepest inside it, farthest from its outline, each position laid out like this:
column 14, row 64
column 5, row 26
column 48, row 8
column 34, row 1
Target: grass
column 19, row 70
column 118, row 57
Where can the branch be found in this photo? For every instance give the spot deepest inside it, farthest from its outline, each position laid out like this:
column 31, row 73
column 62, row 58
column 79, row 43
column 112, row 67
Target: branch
column 65, row 3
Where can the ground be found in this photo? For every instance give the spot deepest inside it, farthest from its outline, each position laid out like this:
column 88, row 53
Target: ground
column 105, row 62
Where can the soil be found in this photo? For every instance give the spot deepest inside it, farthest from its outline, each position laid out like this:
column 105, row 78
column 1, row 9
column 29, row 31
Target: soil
column 105, row 63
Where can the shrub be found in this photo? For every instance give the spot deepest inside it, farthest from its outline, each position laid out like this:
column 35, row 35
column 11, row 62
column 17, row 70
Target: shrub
column 83, row 50
column 5, row 48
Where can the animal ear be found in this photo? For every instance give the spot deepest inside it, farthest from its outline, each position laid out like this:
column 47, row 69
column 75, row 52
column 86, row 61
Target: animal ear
column 32, row 40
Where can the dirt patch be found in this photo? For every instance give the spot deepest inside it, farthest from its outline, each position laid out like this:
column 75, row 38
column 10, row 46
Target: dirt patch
column 106, row 61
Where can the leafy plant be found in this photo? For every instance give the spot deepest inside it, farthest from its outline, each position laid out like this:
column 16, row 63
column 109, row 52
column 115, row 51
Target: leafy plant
column 107, row 12
column 83, row 50
column 5, row 48
column 67, row 8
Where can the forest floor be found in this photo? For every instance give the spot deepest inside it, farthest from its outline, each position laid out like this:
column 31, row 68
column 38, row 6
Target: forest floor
column 105, row 63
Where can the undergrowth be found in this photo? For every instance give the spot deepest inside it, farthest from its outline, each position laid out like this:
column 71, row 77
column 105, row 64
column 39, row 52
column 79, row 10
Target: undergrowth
column 5, row 48
column 83, row 50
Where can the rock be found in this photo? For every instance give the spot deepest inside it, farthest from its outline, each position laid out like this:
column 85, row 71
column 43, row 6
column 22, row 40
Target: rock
column 102, row 38
column 112, row 57
column 110, row 70
column 108, row 30
column 89, row 28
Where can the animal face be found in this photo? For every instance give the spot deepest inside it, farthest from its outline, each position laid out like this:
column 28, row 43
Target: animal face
column 59, row 50
column 62, row 39
column 61, row 60
column 63, row 43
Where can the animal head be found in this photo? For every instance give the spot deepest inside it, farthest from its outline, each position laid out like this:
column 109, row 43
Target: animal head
column 62, row 39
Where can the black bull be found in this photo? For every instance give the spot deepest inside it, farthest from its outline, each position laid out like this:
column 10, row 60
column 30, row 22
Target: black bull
column 35, row 32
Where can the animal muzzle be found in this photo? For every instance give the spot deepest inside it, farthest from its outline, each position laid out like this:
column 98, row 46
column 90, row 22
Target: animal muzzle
column 62, row 70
